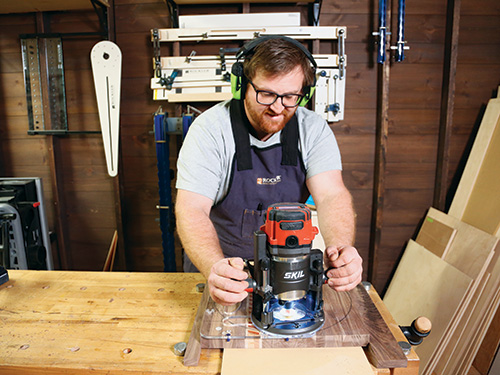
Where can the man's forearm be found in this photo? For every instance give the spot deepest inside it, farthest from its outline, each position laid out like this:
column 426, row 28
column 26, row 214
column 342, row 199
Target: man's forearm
column 198, row 236
column 337, row 219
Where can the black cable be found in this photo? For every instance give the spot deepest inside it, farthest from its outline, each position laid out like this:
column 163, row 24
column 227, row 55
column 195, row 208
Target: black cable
column 174, row 13
column 346, row 314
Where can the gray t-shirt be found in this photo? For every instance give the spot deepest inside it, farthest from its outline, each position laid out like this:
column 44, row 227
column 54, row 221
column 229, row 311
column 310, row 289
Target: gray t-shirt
column 206, row 157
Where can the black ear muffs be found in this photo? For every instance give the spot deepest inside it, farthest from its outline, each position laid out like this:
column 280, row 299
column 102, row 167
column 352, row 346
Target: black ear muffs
column 238, row 84
column 236, row 80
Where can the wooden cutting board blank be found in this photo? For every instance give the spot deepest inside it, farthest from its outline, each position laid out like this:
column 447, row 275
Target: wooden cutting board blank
column 300, row 361
column 425, row 285
column 351, row 319
column 345, row 318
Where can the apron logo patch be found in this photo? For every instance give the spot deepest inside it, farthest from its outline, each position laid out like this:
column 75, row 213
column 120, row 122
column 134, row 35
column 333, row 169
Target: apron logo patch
column 268, row 181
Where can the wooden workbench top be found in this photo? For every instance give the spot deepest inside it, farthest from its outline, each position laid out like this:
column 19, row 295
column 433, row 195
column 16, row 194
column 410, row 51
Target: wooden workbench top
column 73, row 322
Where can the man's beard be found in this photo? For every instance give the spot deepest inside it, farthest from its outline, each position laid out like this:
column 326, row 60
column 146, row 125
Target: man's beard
column 267, row 122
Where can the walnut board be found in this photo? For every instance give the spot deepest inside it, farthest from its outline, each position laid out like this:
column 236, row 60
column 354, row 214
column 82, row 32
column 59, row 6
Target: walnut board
column 311, row 361
column 351, row 319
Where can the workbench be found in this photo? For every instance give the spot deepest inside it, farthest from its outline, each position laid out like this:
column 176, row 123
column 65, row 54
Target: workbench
column 73, row 322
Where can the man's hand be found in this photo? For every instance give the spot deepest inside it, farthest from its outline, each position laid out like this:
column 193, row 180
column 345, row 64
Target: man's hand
column 346, row 267
column 226, row 281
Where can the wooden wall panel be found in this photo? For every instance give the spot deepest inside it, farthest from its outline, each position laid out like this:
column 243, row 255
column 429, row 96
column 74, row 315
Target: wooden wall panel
column 415, row 89
column 88, row 190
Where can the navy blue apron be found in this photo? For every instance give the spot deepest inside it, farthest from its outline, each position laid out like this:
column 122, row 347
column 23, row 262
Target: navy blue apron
column 260, row 177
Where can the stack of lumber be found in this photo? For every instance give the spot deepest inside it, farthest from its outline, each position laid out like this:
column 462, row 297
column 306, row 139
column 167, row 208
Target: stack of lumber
column 451, row 272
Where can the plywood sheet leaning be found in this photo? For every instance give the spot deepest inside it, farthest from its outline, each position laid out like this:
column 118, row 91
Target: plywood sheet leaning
column 470, row 251
column 486, row 353
column 476, row 200
column 483, row 311
column 425, row 284
column 469, row 248
column 311, row 361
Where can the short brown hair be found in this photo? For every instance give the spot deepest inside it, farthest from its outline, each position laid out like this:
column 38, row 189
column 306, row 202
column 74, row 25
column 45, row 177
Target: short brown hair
column 278, row 56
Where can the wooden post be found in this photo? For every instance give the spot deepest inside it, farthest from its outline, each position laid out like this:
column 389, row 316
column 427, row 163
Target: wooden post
column 122, row 260
column 54, row 155
column 447, row 103
column 380, row 159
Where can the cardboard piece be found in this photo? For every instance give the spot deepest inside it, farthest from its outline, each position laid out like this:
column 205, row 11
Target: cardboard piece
column 299, row 361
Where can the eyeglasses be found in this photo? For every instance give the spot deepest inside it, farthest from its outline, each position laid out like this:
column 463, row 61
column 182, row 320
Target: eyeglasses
column 265, row 97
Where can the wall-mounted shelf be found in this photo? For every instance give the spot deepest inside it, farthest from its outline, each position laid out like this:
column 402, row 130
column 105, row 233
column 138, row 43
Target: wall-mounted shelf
column 27, row 6
column 233, row 1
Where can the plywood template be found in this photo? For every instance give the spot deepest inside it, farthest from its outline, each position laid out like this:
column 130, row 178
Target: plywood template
column 351, row 319
column 426, row 285
column 311, row 361
column 435, row 236
column 476, row 200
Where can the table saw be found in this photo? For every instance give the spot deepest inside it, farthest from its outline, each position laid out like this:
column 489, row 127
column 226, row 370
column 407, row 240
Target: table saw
column 101, row 322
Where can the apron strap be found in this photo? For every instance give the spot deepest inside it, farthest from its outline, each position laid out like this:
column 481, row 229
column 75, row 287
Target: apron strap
column 290, row 142
column 240, row 134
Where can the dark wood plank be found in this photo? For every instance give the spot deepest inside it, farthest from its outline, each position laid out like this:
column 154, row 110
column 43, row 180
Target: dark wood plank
column 382, row 132
column 447, row 103
column 383, row 351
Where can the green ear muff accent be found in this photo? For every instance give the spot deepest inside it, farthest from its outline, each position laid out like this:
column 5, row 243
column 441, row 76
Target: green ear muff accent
column 236, row 80
column 308, row 96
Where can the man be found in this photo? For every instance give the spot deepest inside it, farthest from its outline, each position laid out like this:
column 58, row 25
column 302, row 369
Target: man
column 242, row 155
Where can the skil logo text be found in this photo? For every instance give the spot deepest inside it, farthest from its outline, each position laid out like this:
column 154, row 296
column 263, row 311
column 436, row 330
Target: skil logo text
column 294, row 275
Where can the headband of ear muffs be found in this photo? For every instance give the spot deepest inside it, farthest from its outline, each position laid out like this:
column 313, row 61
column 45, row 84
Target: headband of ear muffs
column 238, row 79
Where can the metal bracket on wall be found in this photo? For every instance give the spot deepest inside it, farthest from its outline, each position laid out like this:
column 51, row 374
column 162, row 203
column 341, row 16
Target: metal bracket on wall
column 43, row 69
column 55, row 83
column 102, row 13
